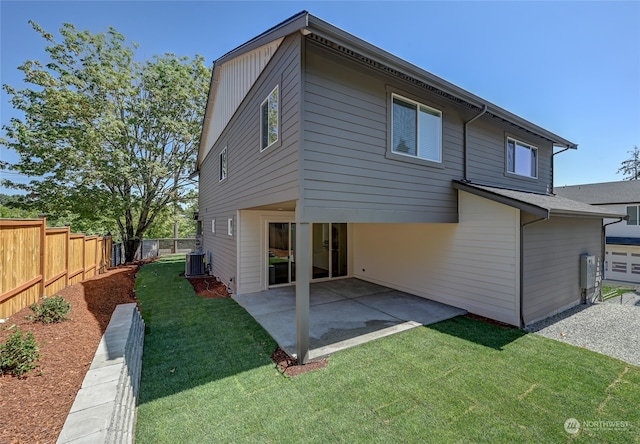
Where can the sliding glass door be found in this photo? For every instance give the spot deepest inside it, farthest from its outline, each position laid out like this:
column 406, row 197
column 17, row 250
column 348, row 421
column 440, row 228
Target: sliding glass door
column 329, row 252
column 281, row 250
column 329, row 249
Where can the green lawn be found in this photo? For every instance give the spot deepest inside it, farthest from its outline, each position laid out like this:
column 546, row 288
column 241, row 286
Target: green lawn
column 207, row 377
column 615, row 290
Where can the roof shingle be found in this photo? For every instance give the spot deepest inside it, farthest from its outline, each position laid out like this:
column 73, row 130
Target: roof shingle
column 625, row 191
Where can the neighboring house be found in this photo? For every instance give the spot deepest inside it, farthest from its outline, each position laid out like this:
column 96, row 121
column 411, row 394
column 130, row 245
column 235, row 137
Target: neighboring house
column 323, row 156
column 622, row 258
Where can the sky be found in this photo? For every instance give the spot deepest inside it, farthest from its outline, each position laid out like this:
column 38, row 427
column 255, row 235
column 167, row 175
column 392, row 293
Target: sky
column 571, row 67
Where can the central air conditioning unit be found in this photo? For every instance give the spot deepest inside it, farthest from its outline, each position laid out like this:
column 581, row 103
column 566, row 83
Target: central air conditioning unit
column 194, row 265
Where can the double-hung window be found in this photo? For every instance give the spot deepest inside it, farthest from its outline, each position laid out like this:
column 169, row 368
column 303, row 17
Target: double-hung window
column 416, row 129
column 223, row 164
column 522, row 158
column 632, row 212
column 269, row 119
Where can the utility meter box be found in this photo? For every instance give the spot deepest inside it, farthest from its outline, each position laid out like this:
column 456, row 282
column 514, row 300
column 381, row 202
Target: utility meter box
column 587, row 271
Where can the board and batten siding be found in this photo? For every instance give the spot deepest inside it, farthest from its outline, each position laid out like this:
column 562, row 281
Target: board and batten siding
column 551, row 263
column 236, row 77
column 254, row 178
column 472, row 265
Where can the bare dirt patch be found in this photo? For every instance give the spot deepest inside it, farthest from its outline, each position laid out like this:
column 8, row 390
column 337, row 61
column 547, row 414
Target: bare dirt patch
column 33, row 408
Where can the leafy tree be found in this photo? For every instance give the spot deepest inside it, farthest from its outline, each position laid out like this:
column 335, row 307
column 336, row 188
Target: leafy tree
column 12, row 207
column 105, row 136
column 181, row 217
column 631, row 167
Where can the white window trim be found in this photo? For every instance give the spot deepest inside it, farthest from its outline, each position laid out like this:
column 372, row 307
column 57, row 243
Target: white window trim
column 223, row 173
column 277, row 87
column 230, row 226
column 506, row 157
column 213, row 225
column 418, row 105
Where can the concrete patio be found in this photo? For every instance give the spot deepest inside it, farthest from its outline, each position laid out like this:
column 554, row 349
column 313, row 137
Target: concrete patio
column 343, row 313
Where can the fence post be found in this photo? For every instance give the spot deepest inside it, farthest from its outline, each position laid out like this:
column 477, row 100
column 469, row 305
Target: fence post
column 84, row 256
column 67, row 254
column 43, row 253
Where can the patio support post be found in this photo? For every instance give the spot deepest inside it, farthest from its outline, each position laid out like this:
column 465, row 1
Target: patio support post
column 303, row 277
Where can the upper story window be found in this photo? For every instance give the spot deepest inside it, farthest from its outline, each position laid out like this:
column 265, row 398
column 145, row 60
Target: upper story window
column 416, row 129
column 522, row 158
column 269, row 120
column 632, row 212
column 223, row 164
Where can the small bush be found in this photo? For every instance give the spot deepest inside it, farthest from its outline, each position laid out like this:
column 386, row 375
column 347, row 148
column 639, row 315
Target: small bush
column 19, row 354
column 54, row 309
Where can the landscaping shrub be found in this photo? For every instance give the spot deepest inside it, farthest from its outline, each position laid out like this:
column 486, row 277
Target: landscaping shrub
column 19, row 354
column 54, row 309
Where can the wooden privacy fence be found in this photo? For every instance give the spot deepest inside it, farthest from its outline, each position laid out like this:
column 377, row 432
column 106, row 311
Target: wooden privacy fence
column 38, row 261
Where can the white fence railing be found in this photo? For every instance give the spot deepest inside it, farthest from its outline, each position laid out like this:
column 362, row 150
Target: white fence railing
column 153, row 248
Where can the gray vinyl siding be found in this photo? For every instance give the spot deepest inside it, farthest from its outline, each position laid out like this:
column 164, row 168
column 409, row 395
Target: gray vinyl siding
column 254, row 178
column 487, row 157
column 551, row 267
column 346, row 175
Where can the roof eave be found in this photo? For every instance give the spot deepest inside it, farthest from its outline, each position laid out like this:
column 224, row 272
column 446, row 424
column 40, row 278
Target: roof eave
column 349, row 41
column 523, row 206
column 566, row 213
column 289, row 26
column 536, row 210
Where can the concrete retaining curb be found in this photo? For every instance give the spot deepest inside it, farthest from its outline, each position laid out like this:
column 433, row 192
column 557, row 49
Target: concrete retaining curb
column 104, row 410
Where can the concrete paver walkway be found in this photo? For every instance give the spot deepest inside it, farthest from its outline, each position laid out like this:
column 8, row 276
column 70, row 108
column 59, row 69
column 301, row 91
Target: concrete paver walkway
column 343, row 313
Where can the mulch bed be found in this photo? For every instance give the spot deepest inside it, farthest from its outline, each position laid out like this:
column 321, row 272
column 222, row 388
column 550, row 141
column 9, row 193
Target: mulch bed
column 208, row 287
column 289, row 366
column 33, row 408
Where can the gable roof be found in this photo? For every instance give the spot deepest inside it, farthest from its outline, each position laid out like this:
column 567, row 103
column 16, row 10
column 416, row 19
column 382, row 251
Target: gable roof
column 339, row 40
column 543, row 205
column 624, row 191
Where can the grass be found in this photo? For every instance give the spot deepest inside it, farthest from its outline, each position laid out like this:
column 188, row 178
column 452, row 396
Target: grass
column 207, row 377
column 613, row 291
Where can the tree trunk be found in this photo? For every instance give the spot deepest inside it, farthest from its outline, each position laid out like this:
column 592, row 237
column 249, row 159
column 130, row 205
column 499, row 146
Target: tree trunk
column 130, row 247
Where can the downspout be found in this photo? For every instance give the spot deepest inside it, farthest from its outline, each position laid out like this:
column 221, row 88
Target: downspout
column 553, row 169
column 603, row 246
column 562, row 151
column 535, row 221
column 464, row 143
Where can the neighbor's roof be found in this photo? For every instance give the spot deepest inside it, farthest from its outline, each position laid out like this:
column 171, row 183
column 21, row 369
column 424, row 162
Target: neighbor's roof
column 340, row 40
column 543, row 205
column 625, row 191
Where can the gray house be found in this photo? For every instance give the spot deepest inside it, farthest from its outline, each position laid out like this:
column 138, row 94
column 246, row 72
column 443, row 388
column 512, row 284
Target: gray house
column 622, row 252
column 323, row 156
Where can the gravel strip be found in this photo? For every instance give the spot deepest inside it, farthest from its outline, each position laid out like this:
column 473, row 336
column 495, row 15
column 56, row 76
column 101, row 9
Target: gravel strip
column 610, row 329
